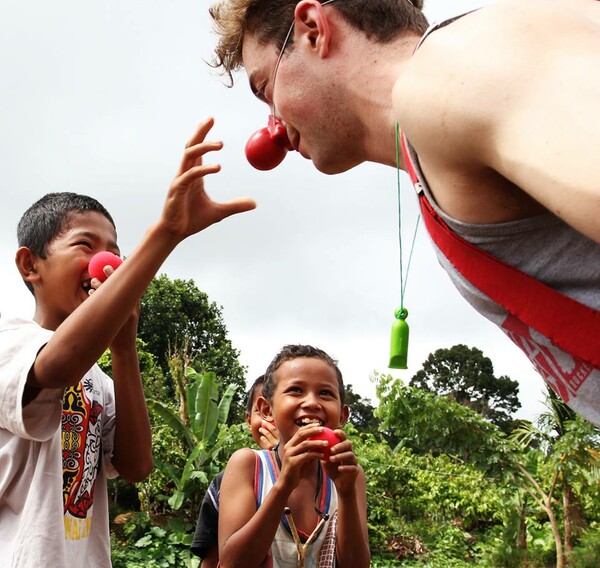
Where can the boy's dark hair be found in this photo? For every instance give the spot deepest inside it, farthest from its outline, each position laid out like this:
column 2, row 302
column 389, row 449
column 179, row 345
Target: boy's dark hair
column 250, row 396
column 289, row 352
column 269, row 20
column 49, row 216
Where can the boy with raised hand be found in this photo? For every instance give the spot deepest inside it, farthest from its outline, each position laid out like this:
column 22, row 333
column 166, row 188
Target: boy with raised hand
column 65, row 427
column 289, row 506
column 206, row 539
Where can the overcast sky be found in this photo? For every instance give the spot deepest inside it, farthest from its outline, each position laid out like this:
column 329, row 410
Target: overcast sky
column 100, row 98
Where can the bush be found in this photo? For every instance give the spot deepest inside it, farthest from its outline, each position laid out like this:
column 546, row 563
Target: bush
column 150, row 544
column 587, row 552
column 423, row 508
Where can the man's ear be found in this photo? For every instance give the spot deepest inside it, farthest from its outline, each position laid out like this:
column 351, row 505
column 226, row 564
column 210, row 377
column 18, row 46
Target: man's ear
column 26, row 262
column 264, row 408
column 312, row 26
column 344, row 415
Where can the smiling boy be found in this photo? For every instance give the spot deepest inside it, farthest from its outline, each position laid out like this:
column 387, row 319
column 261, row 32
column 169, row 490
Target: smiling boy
column 65, row 427
column 286, row 507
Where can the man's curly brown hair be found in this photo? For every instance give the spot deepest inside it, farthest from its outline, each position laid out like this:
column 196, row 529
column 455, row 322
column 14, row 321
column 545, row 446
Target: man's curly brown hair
column 269, row 21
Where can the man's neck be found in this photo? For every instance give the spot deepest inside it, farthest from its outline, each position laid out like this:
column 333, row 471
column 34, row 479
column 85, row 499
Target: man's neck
column 371, row 78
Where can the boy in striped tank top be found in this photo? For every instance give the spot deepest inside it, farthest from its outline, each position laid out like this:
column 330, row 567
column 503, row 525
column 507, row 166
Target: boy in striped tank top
column 290, row 507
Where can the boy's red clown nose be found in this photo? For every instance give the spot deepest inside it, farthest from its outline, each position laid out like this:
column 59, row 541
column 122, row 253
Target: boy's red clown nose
column 329, row 436
column 267, row 147
column 99, row 261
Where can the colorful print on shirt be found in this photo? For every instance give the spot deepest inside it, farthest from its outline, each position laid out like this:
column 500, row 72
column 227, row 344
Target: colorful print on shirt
column 81, row 455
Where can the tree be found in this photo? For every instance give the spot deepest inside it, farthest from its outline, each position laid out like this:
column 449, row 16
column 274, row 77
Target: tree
column 568, row 459
column 176, row 315
column 361, row 412
column 122, row 493
column 429, row 424
column 466, row 376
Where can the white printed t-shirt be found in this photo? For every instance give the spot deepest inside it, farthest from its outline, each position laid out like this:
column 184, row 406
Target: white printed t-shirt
column 54, row 461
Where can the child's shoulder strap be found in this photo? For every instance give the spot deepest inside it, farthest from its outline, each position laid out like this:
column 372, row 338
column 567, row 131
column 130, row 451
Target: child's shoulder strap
column 265, row 474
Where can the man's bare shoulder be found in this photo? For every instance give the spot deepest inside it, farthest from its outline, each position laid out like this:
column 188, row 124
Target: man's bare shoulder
column 466, row 74
column 491, row 100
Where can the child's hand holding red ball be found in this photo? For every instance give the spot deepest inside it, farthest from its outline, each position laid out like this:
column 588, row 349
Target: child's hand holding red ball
column 329, row 436
column 342, row 466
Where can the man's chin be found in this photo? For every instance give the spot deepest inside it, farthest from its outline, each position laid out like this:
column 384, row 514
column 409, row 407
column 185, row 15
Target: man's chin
column 333, row 166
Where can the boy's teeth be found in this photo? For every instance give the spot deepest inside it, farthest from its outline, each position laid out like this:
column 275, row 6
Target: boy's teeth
column 310, row 421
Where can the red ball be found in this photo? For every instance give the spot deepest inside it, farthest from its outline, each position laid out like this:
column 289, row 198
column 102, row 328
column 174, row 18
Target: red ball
column 264, row 151
column 99, row 261
column 329, row 436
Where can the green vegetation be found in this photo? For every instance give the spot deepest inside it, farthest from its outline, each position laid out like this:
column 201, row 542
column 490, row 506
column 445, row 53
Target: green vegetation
column 177, row 317
column 452, row 479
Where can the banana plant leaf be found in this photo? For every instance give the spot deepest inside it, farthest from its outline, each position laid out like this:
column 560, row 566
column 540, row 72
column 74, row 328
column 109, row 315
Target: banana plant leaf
column 206, row 414
column 171, row 419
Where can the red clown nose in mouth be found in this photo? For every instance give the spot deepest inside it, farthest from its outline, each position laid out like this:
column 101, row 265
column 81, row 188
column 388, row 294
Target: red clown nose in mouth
column 99, row 261
column 267, row 147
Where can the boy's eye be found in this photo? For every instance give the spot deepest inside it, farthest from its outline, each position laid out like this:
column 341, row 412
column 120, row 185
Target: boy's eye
column 327, row 393
column 85, row 244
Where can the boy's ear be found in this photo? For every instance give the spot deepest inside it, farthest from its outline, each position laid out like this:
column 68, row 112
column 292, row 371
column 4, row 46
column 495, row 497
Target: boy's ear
column 312, row 26
column 345, row 414
column 26, row 262
column 264, row 408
